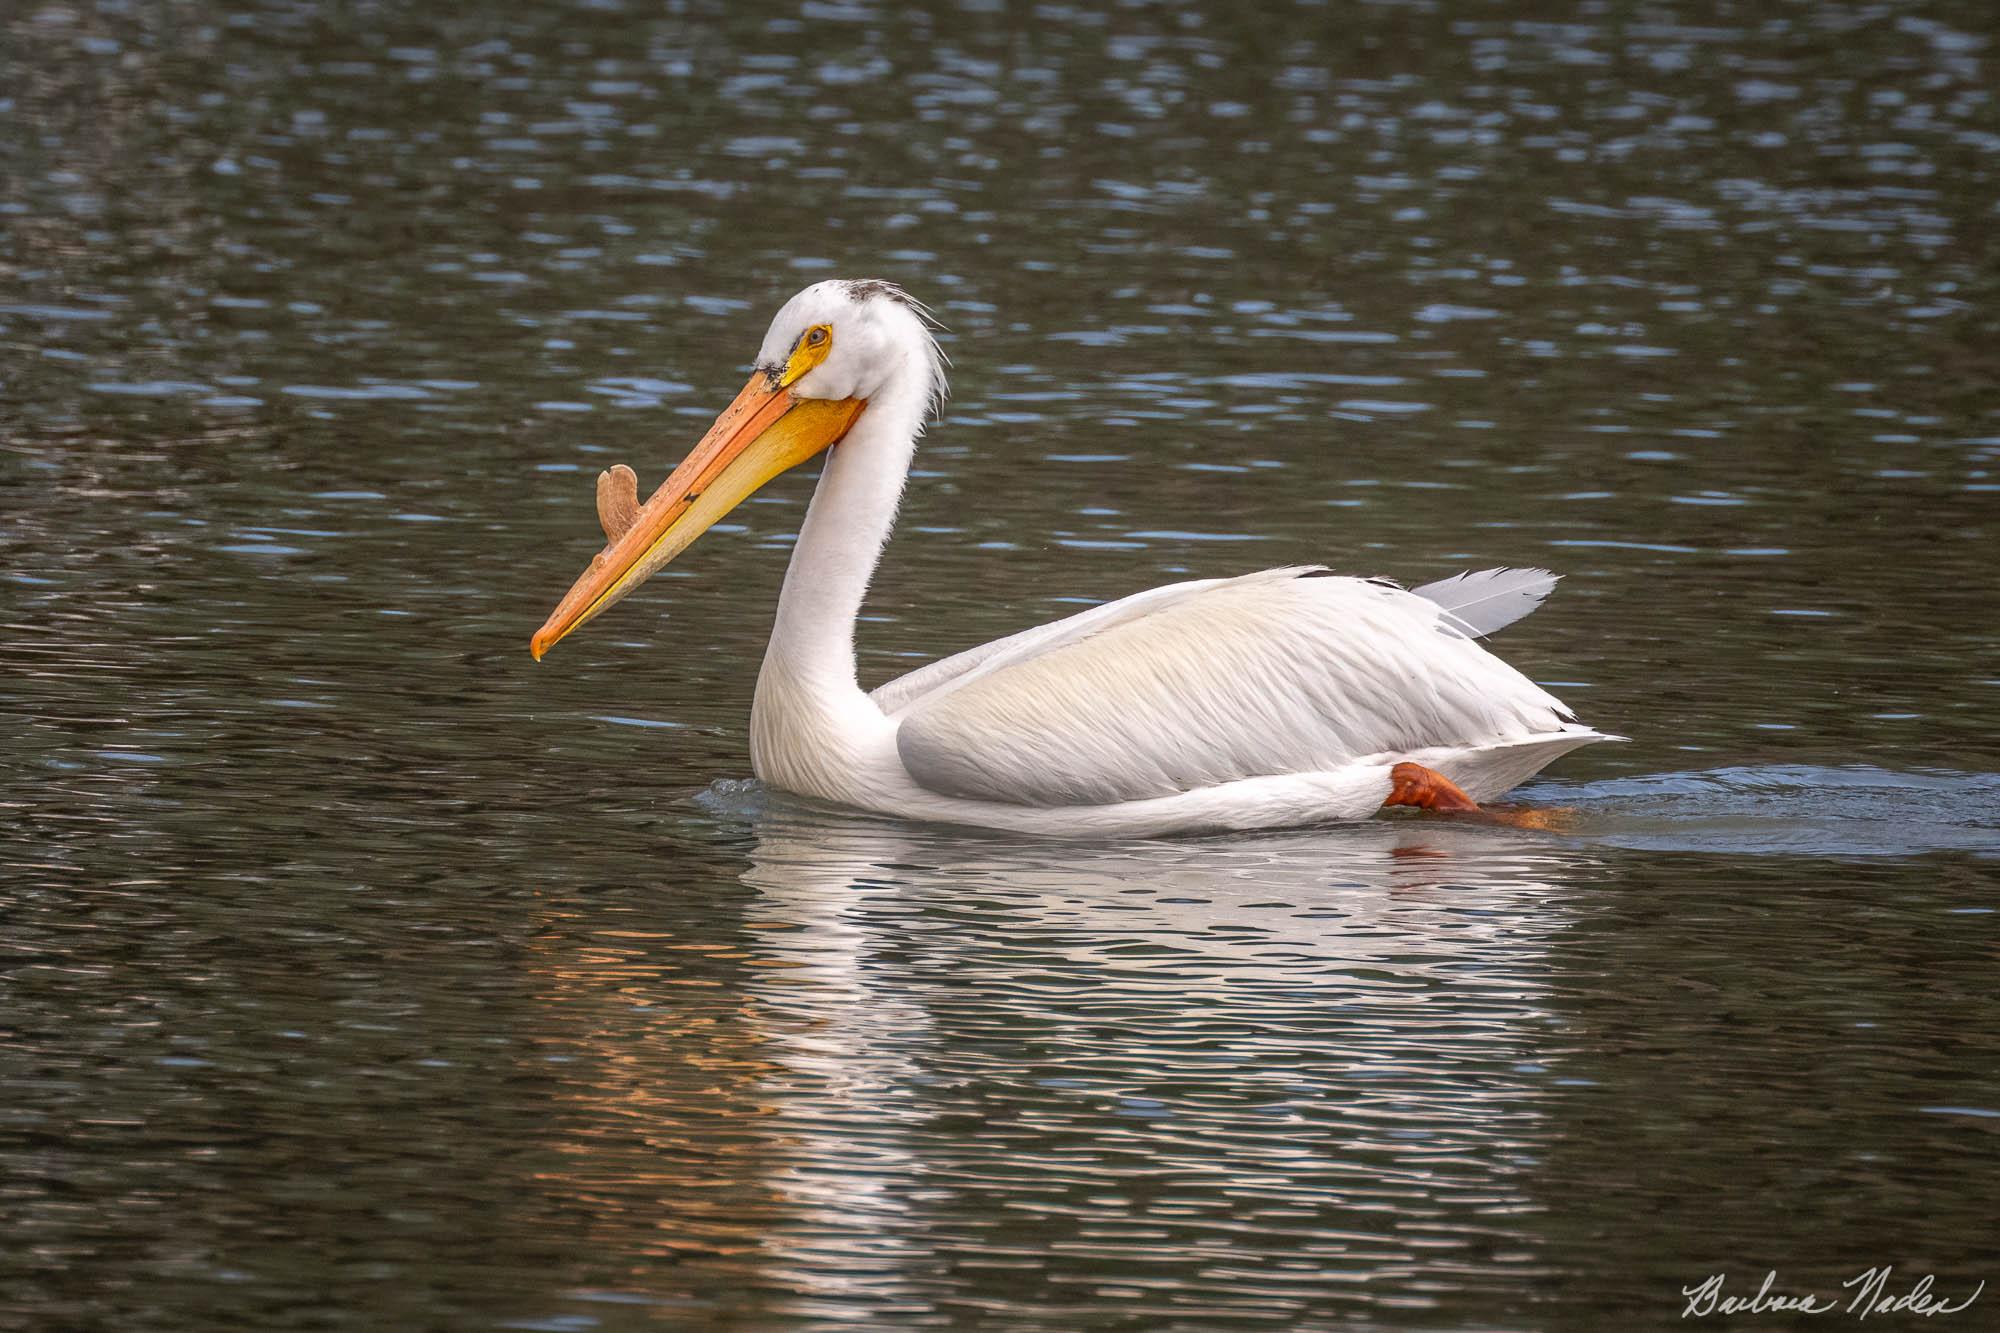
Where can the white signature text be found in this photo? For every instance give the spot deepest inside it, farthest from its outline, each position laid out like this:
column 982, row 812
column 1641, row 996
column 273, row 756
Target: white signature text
column 1869, row 1293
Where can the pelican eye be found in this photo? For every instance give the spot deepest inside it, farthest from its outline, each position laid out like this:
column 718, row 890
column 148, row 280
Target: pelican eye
column 813, row 347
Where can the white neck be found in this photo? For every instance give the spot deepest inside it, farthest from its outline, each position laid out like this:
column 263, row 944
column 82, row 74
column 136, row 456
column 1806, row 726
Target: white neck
column 810, row 708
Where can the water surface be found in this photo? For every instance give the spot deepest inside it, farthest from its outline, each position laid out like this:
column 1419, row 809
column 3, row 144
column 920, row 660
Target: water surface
column 364, row 973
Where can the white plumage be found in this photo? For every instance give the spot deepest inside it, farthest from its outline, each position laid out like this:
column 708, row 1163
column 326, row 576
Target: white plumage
column 1485, row 601
column 1278, row 672
column 1278, row 698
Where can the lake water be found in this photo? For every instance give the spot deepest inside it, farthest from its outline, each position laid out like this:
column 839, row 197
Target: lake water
column 363, row 973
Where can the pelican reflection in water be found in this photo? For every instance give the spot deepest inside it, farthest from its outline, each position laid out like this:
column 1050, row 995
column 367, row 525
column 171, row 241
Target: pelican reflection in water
column 1249, row 1046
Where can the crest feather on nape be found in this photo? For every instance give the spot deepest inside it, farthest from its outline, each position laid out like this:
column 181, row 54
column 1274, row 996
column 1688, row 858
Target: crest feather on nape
column 864, row 289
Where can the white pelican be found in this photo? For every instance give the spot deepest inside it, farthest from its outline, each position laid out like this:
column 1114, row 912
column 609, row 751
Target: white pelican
column 1286, row 697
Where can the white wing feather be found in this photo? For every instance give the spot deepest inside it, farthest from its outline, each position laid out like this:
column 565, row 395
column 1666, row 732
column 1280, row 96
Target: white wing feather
column 1266, row 674
column 1483, row 602
column 941, row 677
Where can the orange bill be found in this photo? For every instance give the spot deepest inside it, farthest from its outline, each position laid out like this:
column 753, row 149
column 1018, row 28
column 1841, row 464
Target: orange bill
column 763, row 433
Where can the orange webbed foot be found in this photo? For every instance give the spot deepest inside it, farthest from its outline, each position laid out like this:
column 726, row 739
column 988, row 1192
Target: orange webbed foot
column 1427, row 789
column 1546, row 819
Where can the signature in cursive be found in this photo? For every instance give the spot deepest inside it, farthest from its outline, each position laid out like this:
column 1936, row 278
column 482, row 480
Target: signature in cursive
column 1869, row 1295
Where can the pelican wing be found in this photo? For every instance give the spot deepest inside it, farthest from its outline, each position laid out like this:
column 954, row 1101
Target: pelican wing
column 1286, row 671
column 947, row 674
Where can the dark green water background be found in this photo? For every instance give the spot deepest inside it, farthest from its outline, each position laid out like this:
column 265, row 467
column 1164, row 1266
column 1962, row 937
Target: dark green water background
column 361, row 973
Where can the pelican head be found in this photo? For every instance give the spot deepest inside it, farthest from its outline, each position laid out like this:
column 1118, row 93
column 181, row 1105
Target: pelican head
column 832, row 348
